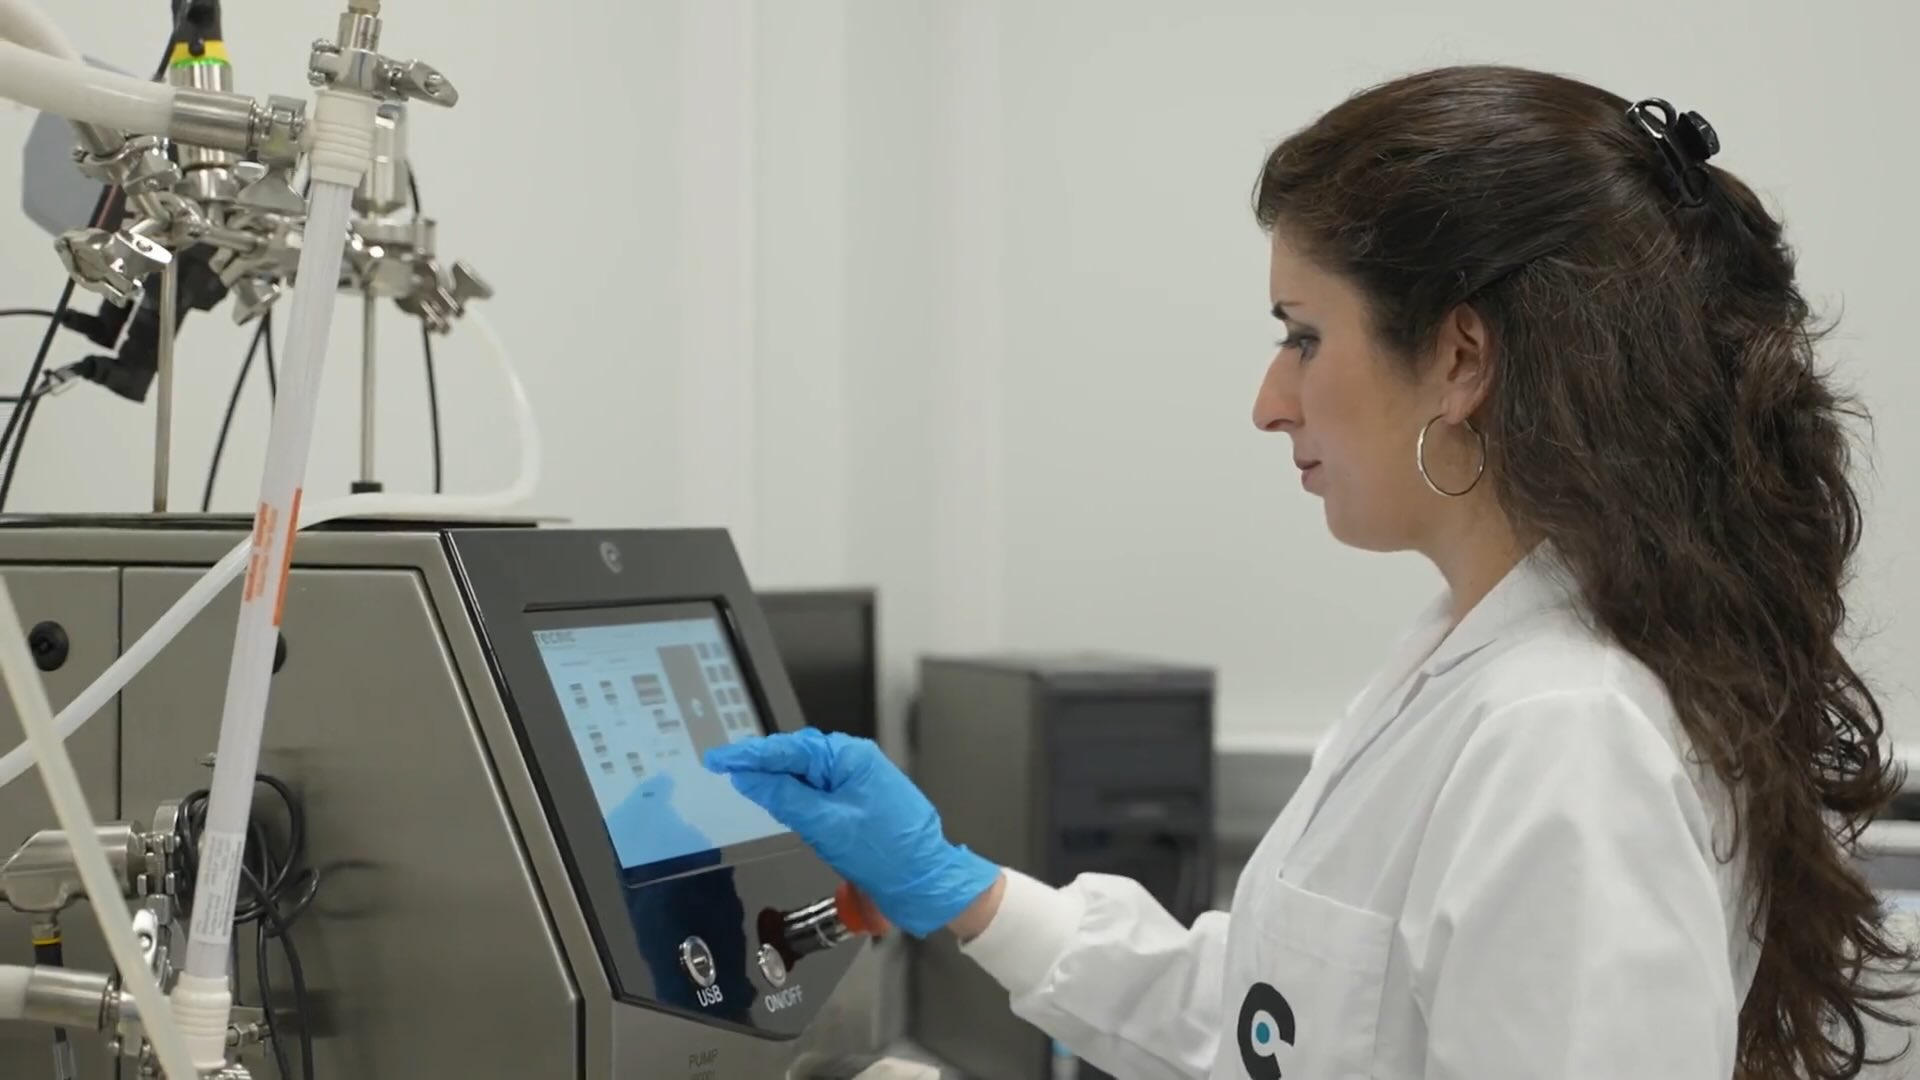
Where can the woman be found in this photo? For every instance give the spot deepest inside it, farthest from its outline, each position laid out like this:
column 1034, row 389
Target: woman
column 1589, row 819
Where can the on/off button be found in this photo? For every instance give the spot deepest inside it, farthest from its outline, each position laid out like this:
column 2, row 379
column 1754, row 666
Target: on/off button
column 773, row 966
column 697, row 961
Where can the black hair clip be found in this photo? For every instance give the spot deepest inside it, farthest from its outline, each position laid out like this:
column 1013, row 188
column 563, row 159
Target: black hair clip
column 1685, row 141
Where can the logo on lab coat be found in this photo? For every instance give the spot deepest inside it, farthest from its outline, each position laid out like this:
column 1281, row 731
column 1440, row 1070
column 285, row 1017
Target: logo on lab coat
column 1266, row 1022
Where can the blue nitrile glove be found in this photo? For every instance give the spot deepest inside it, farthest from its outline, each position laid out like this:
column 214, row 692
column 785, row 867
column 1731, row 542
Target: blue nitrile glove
column 865, row 818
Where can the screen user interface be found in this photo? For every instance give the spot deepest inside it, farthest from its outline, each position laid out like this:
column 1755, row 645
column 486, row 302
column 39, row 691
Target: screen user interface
column 646, row 692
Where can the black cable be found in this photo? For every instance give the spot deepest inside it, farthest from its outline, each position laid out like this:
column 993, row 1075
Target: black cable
column 14, row 437
column 53, row 380
column 298, row 976
column 272, row 877
column 433, row 406
column 276, row 871
column 265, row 979
column 273, row 927
column 50, row 952
column 21, row 418
column 180, row 10
column 264, row 333
column 273, row 371
column 426, row 349
column 14, row 312
column 279, row 925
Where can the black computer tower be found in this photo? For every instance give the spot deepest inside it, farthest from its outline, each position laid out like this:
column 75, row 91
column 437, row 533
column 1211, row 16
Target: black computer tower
column 828, row 640
column 1057, row 766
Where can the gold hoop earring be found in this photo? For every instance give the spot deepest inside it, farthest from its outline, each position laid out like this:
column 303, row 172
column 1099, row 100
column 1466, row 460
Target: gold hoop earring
column 1420, row 460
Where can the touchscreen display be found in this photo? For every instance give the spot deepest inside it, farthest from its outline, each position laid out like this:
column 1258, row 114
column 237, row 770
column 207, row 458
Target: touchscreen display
column 646, row 691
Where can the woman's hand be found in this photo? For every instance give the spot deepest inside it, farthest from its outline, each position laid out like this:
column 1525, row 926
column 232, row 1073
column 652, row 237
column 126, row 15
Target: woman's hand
column 868, row 821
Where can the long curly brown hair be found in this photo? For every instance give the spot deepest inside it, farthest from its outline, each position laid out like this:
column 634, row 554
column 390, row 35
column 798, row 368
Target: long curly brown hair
column 1658, row 416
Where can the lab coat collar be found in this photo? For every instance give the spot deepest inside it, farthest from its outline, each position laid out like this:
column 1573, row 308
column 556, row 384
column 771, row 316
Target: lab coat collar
column 1538, row 583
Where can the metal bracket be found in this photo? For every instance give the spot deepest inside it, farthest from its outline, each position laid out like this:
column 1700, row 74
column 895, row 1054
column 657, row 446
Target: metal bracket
column 115, row 265
column 353, row 62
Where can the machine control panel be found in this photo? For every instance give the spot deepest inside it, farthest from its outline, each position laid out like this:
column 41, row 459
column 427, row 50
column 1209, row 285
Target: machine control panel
column 622, row 674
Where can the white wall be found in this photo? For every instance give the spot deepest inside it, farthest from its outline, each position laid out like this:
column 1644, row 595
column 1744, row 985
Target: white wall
column 1142, row 508
column 964, row 299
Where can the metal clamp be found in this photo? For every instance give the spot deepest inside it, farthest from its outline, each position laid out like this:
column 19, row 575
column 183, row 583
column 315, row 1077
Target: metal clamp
column 115, row 265
column 394, row 258
column 41, row 878
column 139, row 166
column 353, row 62
column 266, row 189
column 418, row 81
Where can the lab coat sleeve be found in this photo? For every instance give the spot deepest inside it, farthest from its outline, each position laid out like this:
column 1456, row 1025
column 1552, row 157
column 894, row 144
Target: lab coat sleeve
column 1100, row 966
column 1566, row 915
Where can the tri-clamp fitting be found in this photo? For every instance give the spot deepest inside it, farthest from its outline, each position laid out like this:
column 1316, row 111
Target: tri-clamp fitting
column 254, row 232
column 117, row 264
column 390, row 257
column 40, row 878
column 224, row 120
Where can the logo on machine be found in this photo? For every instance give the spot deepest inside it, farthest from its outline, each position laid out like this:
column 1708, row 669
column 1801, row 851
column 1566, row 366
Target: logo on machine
column 1266, row 1023
column 785, row 999
column 610, row 554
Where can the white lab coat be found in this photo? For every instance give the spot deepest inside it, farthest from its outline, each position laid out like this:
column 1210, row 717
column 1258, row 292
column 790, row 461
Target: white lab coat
column 1503, row 866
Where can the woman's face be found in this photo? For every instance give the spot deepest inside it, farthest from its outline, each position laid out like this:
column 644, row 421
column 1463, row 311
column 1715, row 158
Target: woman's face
column 1354, row 411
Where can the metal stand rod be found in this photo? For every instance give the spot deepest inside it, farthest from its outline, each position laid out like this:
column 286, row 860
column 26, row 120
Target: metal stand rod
column 367, row 344
column 163, row 423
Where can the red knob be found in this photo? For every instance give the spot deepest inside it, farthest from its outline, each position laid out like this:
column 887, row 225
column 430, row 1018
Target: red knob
column 858, row 914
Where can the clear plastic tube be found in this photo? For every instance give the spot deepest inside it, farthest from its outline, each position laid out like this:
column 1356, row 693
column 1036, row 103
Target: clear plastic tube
column 29, row 696
column 137, row 656
column 13, row 991
column 526, row 473
column 28, row 25
column 263, row 596
column 83, row 93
